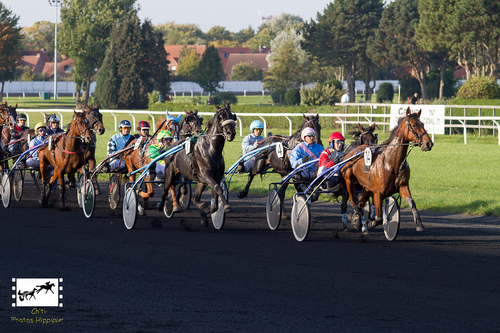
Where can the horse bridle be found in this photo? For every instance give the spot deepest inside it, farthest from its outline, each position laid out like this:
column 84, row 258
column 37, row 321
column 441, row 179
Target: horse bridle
column 80, row 133
column 96, row 121
column 191, row 126
column 224, row 122
column 418, row 136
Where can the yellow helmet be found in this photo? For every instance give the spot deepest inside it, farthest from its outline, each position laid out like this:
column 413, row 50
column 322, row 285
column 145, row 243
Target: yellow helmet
column 37, row 126
column 164, row 134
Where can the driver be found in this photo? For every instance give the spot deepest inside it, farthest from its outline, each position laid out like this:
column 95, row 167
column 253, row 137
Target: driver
column 143, row 128
column 306, row 151
column 116, row 143
column 164, row 141
column 331, row 156
column 41, row 131
column 15, row 133
column 54, row 125
column 250, row 142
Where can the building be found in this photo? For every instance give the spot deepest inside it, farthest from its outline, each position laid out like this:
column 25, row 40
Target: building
column 39, row 63
column 258, row 59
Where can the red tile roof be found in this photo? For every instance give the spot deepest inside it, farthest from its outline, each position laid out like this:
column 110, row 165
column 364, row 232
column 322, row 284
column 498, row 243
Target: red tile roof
column 258, row 59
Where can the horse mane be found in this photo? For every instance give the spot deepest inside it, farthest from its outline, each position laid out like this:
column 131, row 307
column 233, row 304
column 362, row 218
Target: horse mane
column 160, row 121
column 395, row 129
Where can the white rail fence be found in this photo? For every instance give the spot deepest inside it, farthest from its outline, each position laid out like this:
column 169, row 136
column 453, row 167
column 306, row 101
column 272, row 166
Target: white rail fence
column 343, row 118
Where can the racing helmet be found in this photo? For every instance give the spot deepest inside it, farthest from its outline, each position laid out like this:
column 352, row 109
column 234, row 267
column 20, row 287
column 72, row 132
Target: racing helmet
column 54, row 119
column 40, row 125
column 336, row 136
column 125, row 123
column 164, row 134
column 256, row 124
column 306, row 132
column 21, row 116
column 143, row 125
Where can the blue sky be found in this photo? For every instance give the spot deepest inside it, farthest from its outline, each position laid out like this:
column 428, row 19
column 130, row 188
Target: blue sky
column 234, row 15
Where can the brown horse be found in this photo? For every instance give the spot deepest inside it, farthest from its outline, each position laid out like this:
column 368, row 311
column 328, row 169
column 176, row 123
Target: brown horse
column 269, row 158
column 389, row 172
column 137, row 158
column 205, row 164
column 6, row 121
column 67, row 156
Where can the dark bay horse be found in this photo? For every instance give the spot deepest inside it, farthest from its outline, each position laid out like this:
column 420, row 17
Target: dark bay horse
column 134, row 159
column 205, row 164
column 389, row 172
column 269, row 158
column 66, row 155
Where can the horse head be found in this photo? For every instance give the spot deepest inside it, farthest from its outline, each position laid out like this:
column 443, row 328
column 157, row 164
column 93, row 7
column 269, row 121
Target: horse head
column 94, row 118
column 172, row 125
column 80, row 126
column 313, row 122
column 191, row 124
column 227, row 121
column 364, row 136
column 415, row 130
column 10, row 118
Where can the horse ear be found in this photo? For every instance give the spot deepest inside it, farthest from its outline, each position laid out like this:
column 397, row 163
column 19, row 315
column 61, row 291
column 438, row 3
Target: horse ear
column 88, row 108
column 360, row 128
column 196, row 112
column 16, row 106
column 217, row 107
column 408, row 112
column 419, row 113
column 97, row 106
column 304, row 116
column 185, row 112
column 373, row 126
column 76, row 115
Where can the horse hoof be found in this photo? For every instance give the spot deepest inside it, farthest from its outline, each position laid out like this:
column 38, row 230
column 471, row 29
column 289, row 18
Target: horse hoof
column 228, row 209
column 241, row 195
column 356, row 221
column 420, row 229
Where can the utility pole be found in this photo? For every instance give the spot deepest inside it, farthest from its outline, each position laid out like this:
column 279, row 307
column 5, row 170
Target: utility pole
column 55, row 3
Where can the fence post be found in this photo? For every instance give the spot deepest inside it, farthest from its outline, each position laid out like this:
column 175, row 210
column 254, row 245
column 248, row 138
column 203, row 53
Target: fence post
column 191, row 93
column 262, row 92
column 479, row 122
column 244, row 93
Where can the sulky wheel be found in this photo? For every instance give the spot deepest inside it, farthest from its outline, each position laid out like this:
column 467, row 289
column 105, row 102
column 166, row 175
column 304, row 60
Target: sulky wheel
column 6, row 190
column 168, row 207
column 79, row 189
column 184, row 190
column 391, row 219
column 301, row 218
column 88, row 198
column 219, row 217
column 18, row 180
column 130, row 208
column 114, row 191
column 274, row 207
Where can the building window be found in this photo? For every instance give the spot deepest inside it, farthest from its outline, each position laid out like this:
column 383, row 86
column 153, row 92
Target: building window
column 226, row 55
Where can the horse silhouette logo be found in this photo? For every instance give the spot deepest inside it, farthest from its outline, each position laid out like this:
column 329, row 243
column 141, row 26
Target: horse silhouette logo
column 29, row 292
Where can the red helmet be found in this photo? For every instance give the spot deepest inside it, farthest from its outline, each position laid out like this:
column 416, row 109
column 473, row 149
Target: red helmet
column 143, row 125
column 336, row 136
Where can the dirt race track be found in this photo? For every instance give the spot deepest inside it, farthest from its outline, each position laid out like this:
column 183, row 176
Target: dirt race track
column 183, row 277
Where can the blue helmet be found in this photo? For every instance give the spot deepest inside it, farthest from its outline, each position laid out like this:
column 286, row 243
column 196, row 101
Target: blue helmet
column 256, row 124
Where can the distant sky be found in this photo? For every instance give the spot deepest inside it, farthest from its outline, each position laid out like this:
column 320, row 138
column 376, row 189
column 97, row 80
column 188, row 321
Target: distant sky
column 234, row 15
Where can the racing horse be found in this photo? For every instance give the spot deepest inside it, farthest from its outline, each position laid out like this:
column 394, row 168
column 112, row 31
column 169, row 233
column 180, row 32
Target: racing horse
column 389, row 172
column 6, row 120
column 66, row 155
column 269, row 158
column 135, row 159
column 205, row 163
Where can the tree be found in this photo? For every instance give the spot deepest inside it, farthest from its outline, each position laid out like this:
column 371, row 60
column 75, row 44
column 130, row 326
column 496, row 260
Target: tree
column 181, row 34
column 86, row 34
column 287, row 63
column 210, row 70
column 263, row 38
column 157, row 74
column 246, row 71
column 10, row 44
column 340, row 35
column 40, row 36
column 244, row 35
column 219, row 33
column 395, row 44
column 188, row 64
column 284, row 22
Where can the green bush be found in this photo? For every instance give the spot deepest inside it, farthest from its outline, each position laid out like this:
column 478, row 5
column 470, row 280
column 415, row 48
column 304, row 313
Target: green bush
column 292, row 97
column 278, row 96
column 336, row 83
column 154, row 97
column 479, row 87
column 320, row 95
column 224, row 97
column 385, row 93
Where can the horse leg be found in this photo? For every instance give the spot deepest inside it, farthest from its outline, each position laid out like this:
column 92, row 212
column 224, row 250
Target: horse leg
column 354, row 217
column 202, row 207
column 343, row 209
column 60, row 175
column 218, row 190
column 377, row 203
column 405, row 193
column 71, row 180
column 175, row 202
column 244, row 193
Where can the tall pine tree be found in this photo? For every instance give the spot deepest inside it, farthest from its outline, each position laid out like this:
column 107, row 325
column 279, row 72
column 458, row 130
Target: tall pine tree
column 210, row 70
